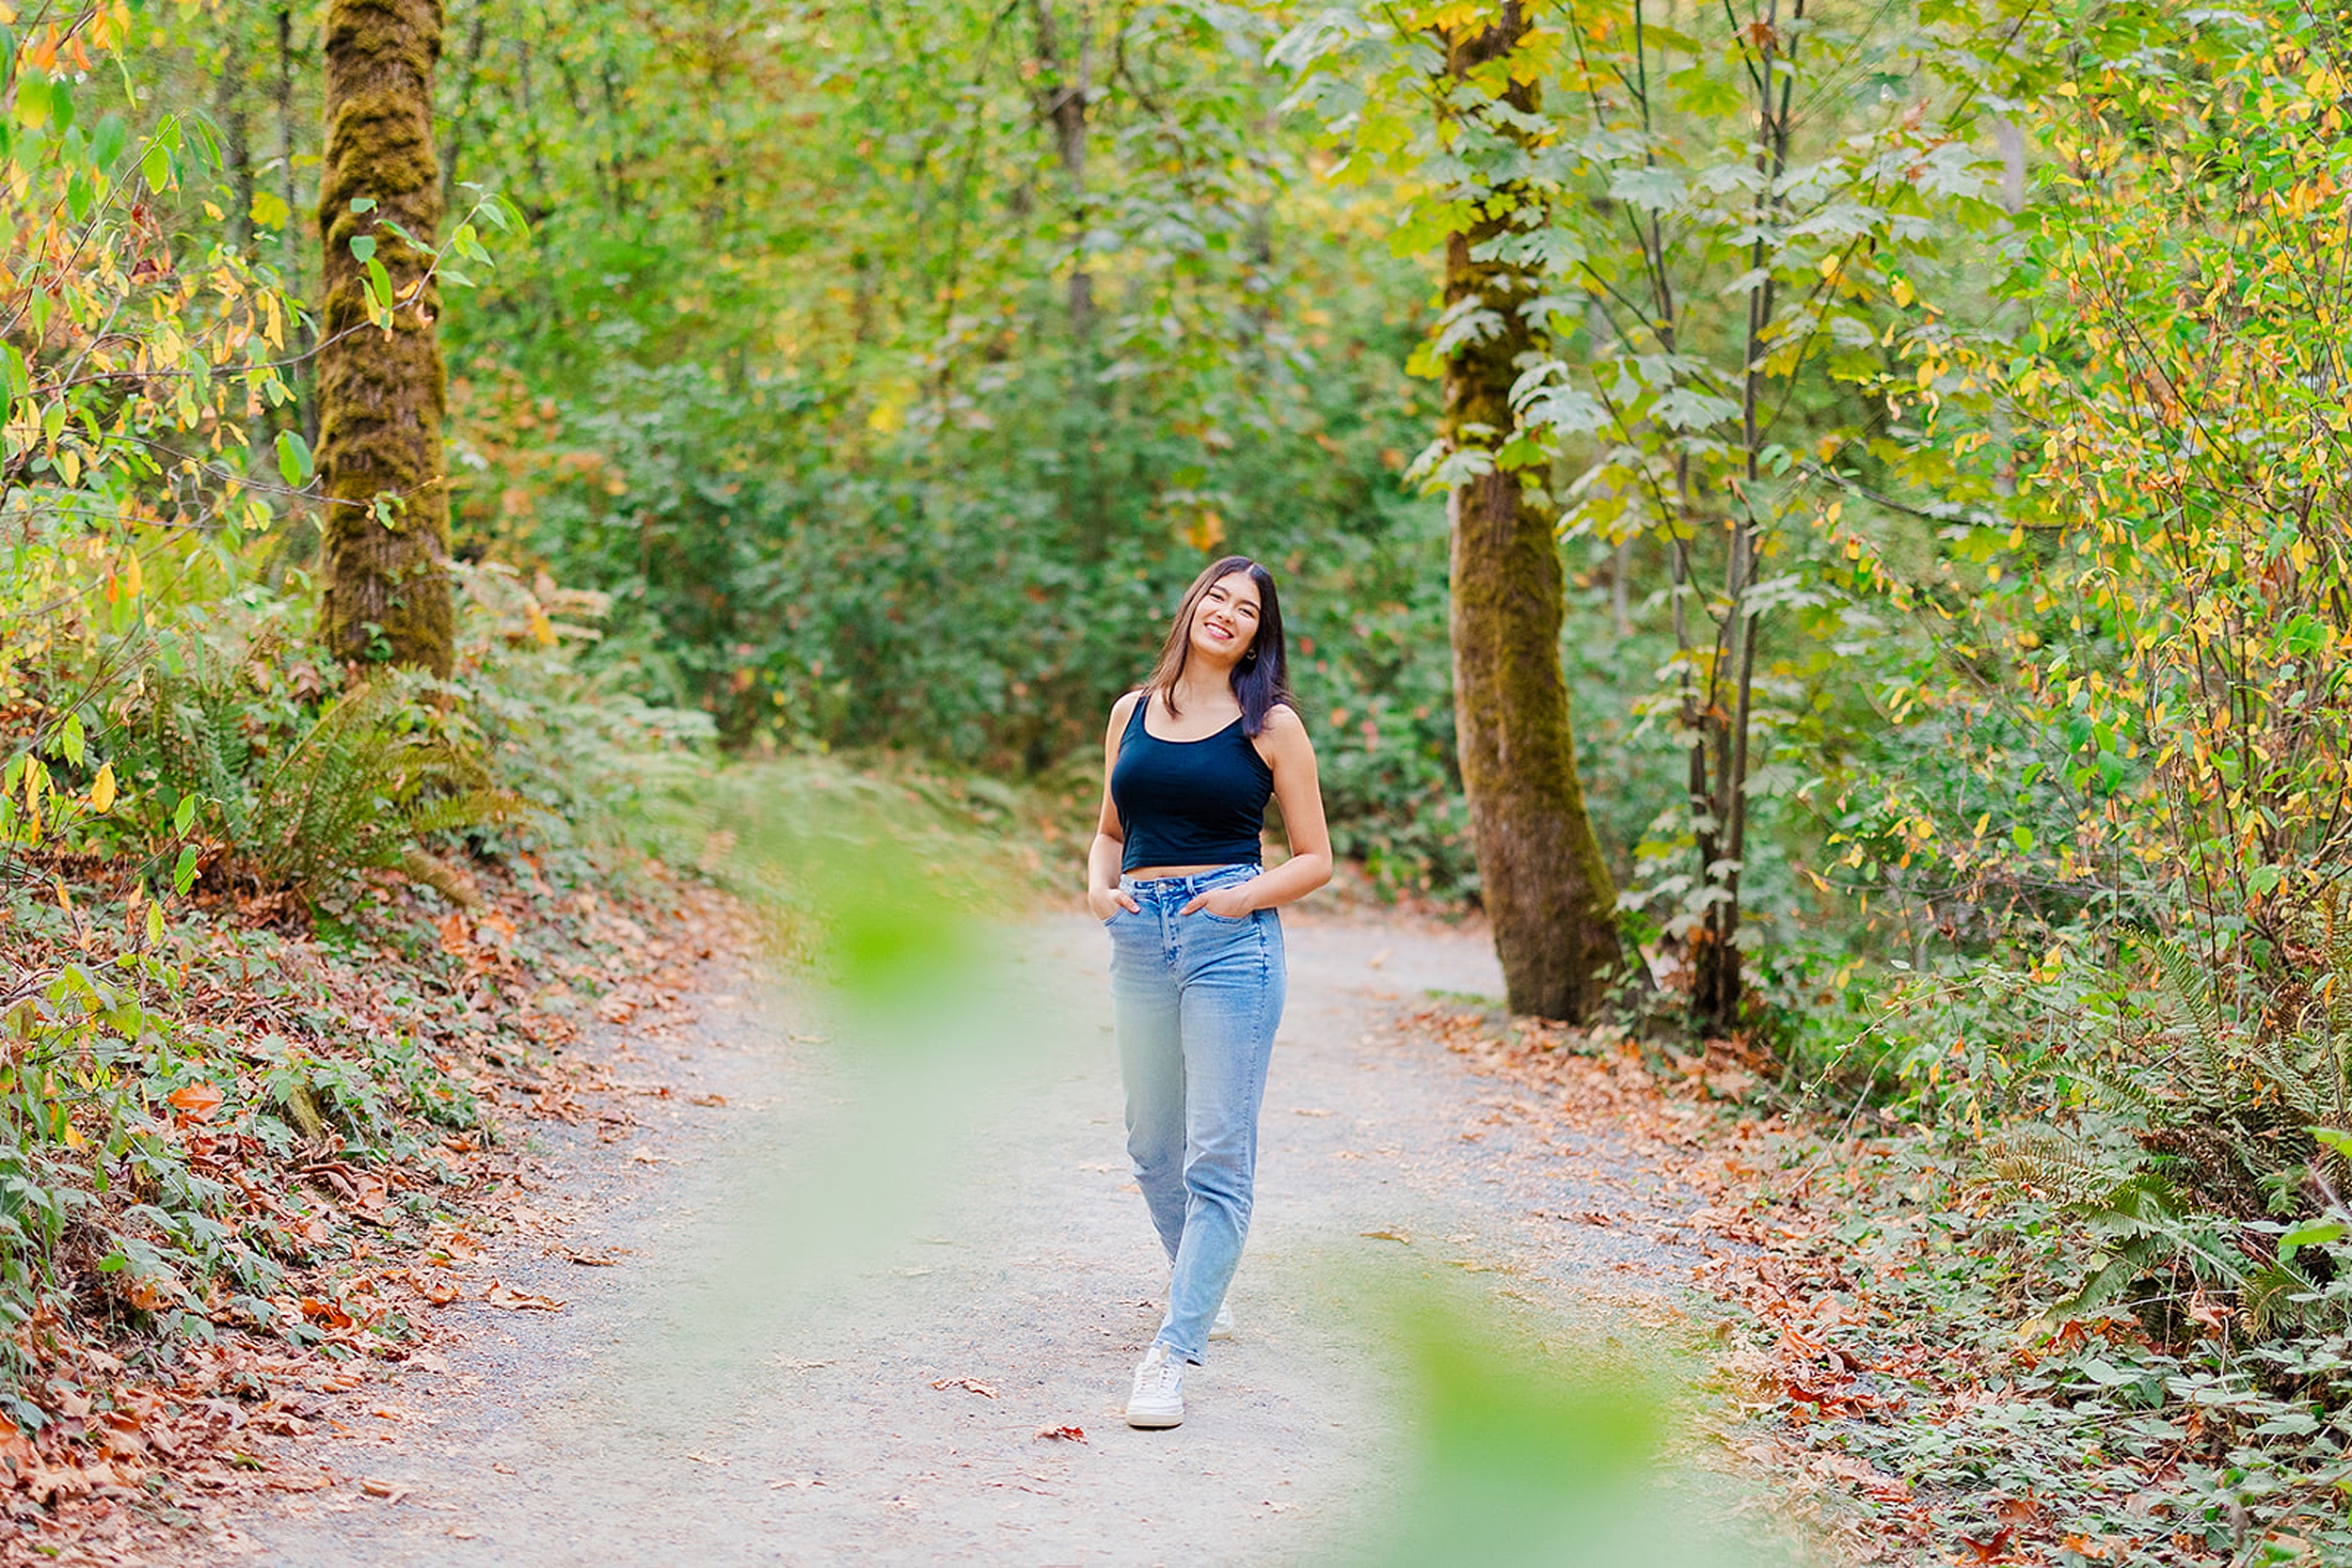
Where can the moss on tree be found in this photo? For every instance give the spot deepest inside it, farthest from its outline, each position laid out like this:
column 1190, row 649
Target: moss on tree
column 381, row 394
column 1547, row 892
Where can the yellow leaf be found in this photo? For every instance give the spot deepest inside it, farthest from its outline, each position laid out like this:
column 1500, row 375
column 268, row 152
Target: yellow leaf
column 133, row 580
column 102, row 789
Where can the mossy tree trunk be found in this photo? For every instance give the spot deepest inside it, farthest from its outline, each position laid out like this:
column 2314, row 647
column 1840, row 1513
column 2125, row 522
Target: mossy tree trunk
column 380, row 392
column 1547, row 891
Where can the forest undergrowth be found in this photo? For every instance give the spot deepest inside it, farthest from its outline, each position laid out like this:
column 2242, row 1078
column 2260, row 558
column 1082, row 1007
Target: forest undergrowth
column 1907, row 1334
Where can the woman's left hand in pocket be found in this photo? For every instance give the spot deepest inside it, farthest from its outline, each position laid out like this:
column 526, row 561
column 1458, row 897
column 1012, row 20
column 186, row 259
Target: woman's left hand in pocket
column 1227, row 903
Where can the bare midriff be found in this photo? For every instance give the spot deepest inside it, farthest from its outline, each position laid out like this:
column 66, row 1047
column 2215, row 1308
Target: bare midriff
column 1153, row 872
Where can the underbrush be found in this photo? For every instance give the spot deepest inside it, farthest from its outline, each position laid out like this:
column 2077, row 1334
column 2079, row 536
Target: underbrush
column 279, row 944
column 2118, row 1333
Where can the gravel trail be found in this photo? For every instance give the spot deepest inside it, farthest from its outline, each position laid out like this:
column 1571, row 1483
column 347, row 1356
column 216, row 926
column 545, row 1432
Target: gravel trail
column 859, row 1278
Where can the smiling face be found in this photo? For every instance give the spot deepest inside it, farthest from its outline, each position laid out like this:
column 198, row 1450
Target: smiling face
column 1225, row 622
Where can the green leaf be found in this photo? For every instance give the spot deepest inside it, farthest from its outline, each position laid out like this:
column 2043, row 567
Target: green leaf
column 2311, row 1233
column 2022, row 837
column 184, row 873
column 269, row 210
column 185, row 815
column 363, row 247
column 32, row 102
column 294, row 459
column 379, row 284
column 2334, row 1138
column 108, row 140
column 157, row 166
column 362, row 204
column 71, row 740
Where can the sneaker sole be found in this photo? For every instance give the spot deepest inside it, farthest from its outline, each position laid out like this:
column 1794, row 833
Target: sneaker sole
column 1151, row 1421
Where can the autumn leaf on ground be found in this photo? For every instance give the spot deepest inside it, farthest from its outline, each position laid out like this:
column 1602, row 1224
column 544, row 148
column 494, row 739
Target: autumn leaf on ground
column 1063, row 1434
column 1989, row 1548
column 1387, row 1236
column 973, row 1383
column 519, row 1301
column 195, row 1102
column 608, row 1258
column 441, row 1292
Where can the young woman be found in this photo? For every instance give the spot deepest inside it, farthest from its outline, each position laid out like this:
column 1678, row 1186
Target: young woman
column 1197, row 967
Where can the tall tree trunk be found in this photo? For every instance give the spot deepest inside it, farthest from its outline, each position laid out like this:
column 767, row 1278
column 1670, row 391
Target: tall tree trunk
column 1063, row 101
column 303, row 415
column 381, row 396
column 1717, row 986
column 461, row 119
column 1547, row 891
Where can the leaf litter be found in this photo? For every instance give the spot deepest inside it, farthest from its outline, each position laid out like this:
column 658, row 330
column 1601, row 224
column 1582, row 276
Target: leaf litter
column 122, row 1446
column 1872, row 1336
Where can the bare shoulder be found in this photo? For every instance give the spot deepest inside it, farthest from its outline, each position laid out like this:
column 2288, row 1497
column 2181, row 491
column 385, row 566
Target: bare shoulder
column 1282, row 719
column 1125, row 708
column 1284, row 732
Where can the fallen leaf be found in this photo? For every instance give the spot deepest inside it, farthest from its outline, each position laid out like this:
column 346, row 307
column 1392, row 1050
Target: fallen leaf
column 713, row 1100
column 972, row 1383
column 1387, row 1236
column 392, row 1492
column 1303, row 1111
column 608, row 1258
column 519, row 1301
column 195, row 1102
column 441, row 1292
column 1989, row 1548
column 702, row 1458
column 1063, row 1434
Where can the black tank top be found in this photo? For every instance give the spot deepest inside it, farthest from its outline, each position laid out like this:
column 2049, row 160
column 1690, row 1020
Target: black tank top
column 1189, row 802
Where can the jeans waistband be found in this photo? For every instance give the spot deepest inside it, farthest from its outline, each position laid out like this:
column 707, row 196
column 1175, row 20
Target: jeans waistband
column 1185, row 887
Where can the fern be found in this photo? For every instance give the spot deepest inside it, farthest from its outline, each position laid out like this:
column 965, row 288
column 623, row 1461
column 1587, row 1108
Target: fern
column 2054, row 1164
column 353, row 787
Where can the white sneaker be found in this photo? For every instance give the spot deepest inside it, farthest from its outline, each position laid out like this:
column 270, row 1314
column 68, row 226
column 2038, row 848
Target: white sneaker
column 1222, row 1327
column 1159, row 1398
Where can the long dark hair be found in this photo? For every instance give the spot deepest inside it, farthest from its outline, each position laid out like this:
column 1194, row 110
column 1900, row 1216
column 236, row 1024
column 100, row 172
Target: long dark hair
column 1262, row 678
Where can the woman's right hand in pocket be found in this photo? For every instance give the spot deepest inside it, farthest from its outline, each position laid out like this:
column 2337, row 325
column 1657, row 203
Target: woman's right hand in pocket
column 1107, row 901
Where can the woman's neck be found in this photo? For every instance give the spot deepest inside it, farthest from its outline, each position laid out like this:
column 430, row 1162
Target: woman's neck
column 1197, row 689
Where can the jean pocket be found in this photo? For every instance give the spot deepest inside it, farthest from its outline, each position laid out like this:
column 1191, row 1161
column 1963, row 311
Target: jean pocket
column 1216, row 919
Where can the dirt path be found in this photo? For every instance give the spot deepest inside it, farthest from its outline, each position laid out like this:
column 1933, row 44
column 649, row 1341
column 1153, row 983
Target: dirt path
column 756, row 1381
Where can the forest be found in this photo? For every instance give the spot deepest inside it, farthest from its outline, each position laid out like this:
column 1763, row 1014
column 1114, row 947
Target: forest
column 1820, row 527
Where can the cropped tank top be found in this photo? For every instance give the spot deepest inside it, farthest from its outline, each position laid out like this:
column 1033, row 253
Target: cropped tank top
column 1189, row 802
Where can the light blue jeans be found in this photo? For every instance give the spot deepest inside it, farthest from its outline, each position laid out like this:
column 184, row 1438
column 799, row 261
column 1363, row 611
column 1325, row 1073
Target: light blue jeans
column 1197, row 998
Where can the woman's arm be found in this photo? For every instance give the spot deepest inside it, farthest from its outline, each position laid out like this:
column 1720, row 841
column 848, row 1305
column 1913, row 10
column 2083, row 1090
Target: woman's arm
column 1292, row 755
column 1104, row 894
